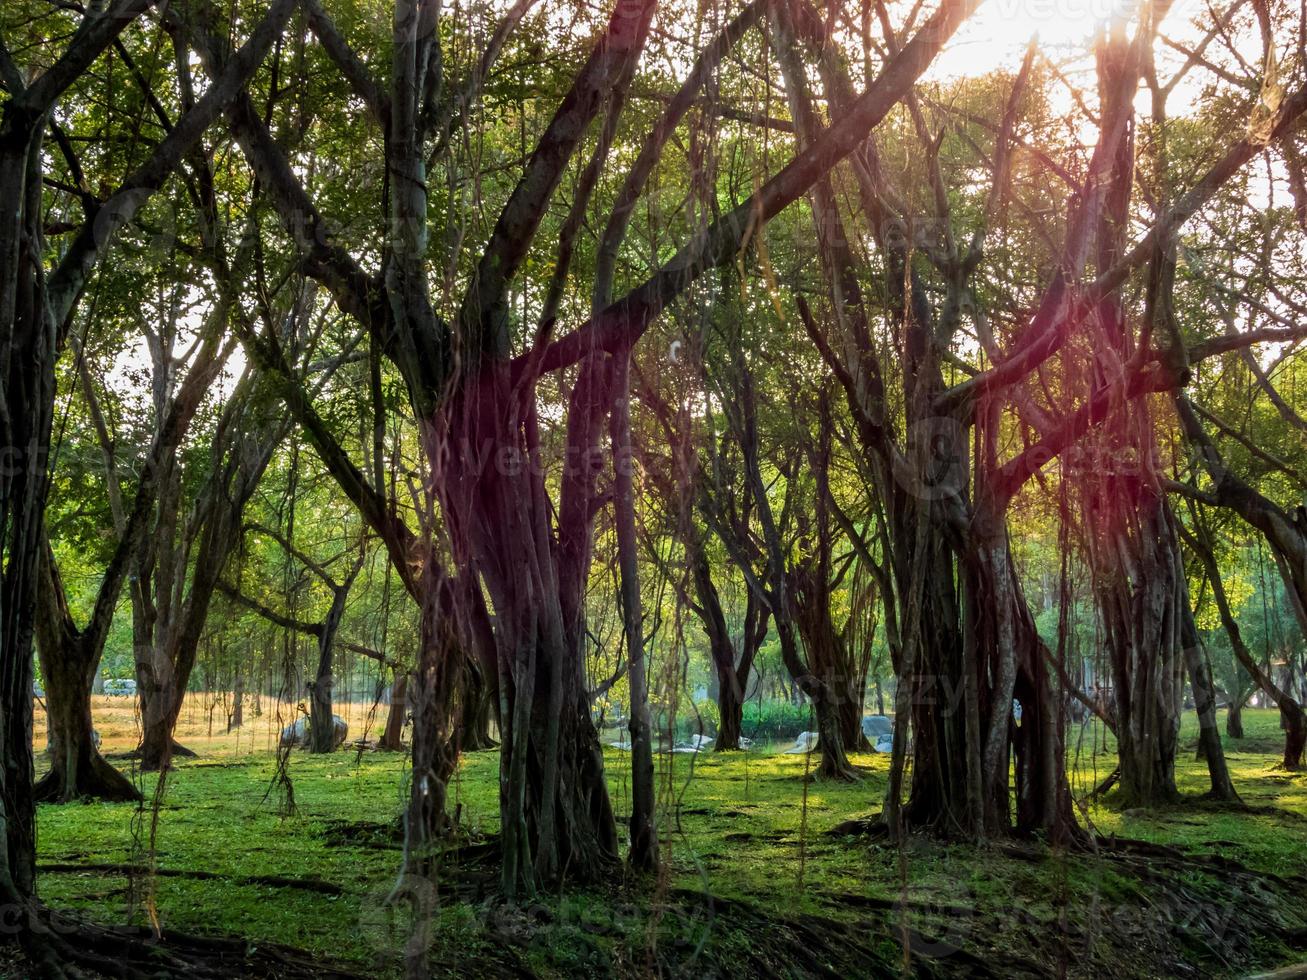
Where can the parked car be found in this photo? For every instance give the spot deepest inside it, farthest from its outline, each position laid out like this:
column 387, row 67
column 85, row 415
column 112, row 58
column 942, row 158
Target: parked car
column 116, row 688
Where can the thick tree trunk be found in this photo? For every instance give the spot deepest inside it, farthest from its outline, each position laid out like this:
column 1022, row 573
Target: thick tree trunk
column 158, row 722
column 1011, row 659
column 828, row 657
column 1294, row 722
column 322, row 726
column 69, row 661
column 1140, row 620
column 730, row 712
column 27, row 392
column 824, row 698
column 77, row 770
column 555, row 812
column 930, row 687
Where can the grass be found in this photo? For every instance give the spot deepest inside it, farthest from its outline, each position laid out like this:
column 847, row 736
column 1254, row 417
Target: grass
column 739, row 826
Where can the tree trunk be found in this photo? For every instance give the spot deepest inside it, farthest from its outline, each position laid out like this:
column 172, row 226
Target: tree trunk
column 237, row 717
column 644, row 830
column 69, row 661
column 392, row 738
column 1142, row 599
column 476, row 711
column 167, row 620
column 730, row 712
column 322, row 722
column 555, row 810
column 434, row 756
column 1294, row 722
column 158, row 747
column 930, row 685
column 25, row 423
column 731, row 667
column 1011, row 661
column 77, row 770
column 1291, row 711
column 1234, row 719
column 823, row 696
column 1140, row 621
column 828, row 657
column 1209, row 735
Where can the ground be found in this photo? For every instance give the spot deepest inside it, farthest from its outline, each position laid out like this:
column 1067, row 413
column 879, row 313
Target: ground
column 755, row 883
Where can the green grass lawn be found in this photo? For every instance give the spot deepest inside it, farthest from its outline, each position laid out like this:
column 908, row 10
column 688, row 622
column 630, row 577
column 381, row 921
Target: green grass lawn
column 738, row 826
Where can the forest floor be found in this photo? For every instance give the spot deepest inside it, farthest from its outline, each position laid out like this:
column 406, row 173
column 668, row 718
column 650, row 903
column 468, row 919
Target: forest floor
column 754, row 882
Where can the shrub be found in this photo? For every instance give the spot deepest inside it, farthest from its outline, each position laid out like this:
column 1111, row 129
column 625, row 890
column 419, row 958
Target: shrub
column 772, row 721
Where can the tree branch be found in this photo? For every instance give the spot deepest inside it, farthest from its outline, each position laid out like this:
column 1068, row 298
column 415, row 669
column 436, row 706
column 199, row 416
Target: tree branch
column 623, row 322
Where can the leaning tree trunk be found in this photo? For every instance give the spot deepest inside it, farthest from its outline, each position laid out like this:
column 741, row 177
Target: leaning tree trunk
column 1293, row 718
column 165, row 647
column 1204, row 688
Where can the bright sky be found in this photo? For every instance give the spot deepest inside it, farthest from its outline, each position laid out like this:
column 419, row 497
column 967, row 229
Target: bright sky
column 995, row 38
column 997, row 34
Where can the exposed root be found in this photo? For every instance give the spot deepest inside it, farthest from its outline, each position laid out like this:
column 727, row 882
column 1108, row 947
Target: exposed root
column 96, row 780
column 63, row 947
column 135, row 871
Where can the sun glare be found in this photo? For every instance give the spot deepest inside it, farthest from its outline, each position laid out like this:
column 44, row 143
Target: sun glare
column 997, row 35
